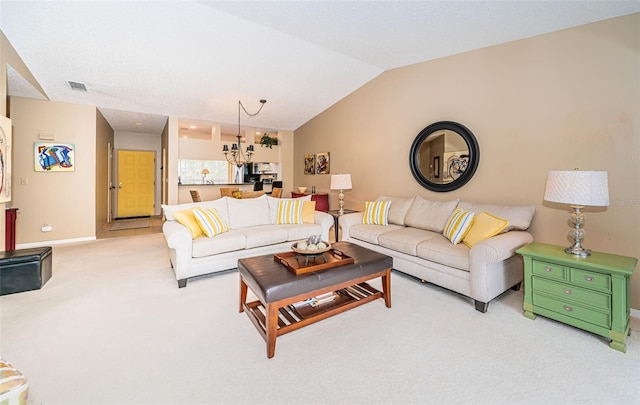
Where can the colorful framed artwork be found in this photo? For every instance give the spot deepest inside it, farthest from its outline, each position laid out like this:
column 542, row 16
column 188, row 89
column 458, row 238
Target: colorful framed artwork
column 54, row 157
column 322, row 163
column 5, row 159
column 309, row 164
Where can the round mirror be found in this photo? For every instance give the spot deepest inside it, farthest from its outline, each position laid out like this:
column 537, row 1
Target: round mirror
column 444, row 156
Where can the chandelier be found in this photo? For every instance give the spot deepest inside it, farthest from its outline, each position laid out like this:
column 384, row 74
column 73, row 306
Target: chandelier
column 235, row 155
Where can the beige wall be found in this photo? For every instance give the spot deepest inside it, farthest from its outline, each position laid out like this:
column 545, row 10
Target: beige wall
column 104, row 146
column 65, row 201
column 553, row 102
column 9, row 56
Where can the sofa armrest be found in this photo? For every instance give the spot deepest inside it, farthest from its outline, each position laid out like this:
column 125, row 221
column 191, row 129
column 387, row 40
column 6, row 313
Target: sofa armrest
column 498, row 248
column 490, row 270
column 347, row 221
column 325, row 221
column 180, row 243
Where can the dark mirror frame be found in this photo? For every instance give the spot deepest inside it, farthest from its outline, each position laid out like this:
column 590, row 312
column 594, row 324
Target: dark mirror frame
column 474, row 156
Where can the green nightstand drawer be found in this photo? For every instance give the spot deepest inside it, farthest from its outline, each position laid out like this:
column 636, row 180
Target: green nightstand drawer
column 572, row 293
column 549, row 270
column 590, row 279
column 569, row 309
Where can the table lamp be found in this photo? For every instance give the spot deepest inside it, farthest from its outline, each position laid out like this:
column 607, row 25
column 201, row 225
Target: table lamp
column 204, row 173
column 341, row 182
column 577, row 188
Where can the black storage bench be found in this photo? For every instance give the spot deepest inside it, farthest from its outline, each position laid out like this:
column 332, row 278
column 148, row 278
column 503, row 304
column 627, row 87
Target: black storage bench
column 24, row 269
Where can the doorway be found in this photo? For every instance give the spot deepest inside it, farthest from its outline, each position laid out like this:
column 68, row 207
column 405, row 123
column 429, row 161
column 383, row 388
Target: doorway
column 135, row 193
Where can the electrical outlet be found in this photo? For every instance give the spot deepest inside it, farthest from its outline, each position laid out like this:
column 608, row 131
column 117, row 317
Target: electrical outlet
column 46, row 228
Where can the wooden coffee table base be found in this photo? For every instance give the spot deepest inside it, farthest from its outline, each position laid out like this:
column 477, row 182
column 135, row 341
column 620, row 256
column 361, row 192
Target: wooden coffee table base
column 279, row 317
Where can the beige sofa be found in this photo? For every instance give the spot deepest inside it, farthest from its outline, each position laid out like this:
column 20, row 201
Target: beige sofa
column 414, row 238
column 253, row 231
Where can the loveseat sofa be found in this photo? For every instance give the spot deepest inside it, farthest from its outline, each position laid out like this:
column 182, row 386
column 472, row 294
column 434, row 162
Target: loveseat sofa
column 246, row 227
column 417, row 235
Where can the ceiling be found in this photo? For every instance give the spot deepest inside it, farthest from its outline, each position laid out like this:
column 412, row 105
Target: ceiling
column 143, row 61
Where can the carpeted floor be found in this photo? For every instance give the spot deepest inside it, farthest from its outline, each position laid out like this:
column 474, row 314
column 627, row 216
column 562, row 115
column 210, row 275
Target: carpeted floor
column 112, row 327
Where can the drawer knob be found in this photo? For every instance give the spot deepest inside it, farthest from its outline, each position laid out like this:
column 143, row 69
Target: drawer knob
column 549, row 269
column 588, row 278
column 568, row 291
column 568, row 308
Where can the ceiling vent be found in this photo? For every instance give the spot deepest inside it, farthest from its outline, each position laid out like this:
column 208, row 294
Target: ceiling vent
column 77, row 86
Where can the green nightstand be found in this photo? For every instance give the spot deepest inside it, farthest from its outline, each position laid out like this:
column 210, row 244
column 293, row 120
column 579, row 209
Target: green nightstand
column 590, row 293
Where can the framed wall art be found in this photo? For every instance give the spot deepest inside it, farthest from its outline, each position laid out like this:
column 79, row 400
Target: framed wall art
column 309, row 164
column 5, row 159
column 54, row 157
column 322, row 163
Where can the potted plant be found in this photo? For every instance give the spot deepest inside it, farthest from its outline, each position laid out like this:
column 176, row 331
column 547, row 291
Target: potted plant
column 268, row 141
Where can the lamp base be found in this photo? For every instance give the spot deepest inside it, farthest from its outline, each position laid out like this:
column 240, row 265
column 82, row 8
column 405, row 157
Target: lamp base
column 578, row 251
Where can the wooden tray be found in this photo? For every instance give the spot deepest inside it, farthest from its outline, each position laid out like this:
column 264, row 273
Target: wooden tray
column 301, row 264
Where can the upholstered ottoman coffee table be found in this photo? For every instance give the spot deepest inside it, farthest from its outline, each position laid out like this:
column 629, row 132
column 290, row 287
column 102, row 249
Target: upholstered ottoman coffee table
column 288, row 300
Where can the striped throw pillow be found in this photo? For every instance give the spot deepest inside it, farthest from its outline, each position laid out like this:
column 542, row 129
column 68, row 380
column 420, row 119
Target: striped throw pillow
column 290, row 212
column 376, row 213
column 210, row 222
column 458, row 225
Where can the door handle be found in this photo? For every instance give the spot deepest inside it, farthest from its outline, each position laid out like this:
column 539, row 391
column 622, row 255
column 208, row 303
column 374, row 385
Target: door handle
column 119, row 185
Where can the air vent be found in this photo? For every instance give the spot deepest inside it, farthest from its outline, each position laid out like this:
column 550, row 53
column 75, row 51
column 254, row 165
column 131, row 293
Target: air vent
column 77, row 86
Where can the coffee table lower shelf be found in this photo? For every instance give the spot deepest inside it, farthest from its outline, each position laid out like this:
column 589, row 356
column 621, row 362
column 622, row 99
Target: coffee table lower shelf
column 291, row 318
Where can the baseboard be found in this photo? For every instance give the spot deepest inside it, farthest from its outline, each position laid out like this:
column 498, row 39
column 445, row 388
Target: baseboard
column 635, row 313
column 53, row 242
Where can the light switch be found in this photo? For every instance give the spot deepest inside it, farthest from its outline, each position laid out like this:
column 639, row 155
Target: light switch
column 24, row 181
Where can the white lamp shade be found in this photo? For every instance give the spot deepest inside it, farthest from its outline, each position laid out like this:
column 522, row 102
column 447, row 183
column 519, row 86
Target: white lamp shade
column 577, row 187
column 340, row 182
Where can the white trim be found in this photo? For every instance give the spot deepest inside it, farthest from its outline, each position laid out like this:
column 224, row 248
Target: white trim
column 53, row 242
column 635, row 313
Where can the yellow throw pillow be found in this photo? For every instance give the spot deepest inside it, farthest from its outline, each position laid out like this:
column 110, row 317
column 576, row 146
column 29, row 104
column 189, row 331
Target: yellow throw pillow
column 210, row 222
column 186, row 218
column 458, row 225
column 289, row 212
column 308, row 212
column 376, row 212
column 484, row 226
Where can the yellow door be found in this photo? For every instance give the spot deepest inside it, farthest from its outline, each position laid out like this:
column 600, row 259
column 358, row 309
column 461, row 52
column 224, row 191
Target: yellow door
column 136, row 174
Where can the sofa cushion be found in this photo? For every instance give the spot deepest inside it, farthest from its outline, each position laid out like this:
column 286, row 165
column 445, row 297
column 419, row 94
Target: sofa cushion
column 273, row 204
column 405, row 240
column 370, row 233
column 264, row 235
column 441, row 250
column 220, row 205
column 429, row 215
column 225, row 242
column 458, row 225
column 245, row 212
column 519, row 216
column 302, row 231
column 484, row 226
column 188, row 219
column 398, row 209
column 289, row 212
column 376, row 212
column 210, row 222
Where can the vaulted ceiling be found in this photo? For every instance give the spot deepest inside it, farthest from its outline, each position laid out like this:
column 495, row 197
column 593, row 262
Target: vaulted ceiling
column 142, row 61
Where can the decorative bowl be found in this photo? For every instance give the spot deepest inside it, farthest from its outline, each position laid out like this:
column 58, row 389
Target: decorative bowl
column 302, row 189
column 311, row 252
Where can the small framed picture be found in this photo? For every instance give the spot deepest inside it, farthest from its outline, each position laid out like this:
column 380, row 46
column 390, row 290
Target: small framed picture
column 436, row 167
column 54, row 157
column 322, row 163
column 309, row 164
